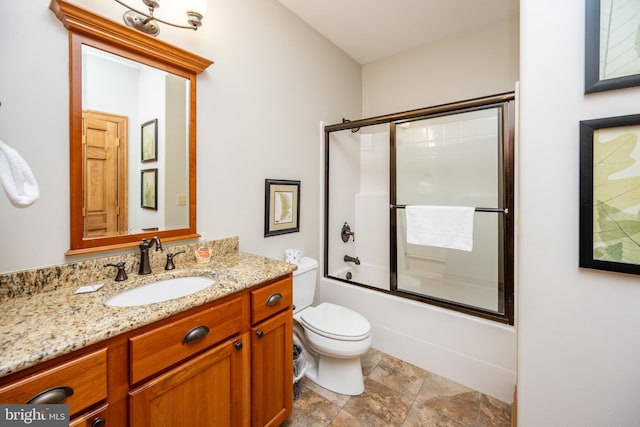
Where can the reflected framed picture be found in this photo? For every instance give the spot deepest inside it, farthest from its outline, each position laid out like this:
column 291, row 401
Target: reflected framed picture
column 612, row 45
column 281, row 207
column 149, row 141
column 149, row 189
column 610, row 194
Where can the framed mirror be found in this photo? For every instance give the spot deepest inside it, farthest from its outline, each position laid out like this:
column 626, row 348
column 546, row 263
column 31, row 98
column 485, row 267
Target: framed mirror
column 132, row 110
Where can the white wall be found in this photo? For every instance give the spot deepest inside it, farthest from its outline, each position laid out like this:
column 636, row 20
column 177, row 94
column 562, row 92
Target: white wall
column 345, row 168
column 177, row 153
column 151, row 105
column 579, row 341
column 259, row 106
column 473, row 64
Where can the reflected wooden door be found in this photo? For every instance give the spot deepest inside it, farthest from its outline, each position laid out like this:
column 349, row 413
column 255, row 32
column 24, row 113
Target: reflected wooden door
column 104, row 174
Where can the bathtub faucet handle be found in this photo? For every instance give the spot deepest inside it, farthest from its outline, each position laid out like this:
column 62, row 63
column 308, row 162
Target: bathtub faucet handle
column 346, row 232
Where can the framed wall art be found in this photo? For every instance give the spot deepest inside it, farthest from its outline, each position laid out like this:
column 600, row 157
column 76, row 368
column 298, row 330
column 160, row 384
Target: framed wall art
column 149, row 141
column 149, row 189
column 610, row 194
column 612, row 45
column 281, row 207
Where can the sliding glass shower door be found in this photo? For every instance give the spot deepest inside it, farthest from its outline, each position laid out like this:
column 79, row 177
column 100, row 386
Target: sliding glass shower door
column 455, row 160
column 449, row 170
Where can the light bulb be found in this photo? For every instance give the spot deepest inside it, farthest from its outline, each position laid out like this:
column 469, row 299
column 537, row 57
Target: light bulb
column 198, row 6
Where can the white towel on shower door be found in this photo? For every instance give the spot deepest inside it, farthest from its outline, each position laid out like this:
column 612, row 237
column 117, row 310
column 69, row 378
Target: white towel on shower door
column 442, row 226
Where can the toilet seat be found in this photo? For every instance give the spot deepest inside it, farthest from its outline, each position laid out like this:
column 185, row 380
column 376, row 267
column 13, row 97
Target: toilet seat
column 335, row 322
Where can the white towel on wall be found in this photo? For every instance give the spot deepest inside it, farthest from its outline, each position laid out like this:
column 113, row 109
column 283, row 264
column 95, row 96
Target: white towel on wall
column 441, row 226
column 16, row 177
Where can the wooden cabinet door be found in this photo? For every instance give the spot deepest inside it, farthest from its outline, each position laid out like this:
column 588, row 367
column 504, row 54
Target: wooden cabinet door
column 272, row 370
column 205, row 391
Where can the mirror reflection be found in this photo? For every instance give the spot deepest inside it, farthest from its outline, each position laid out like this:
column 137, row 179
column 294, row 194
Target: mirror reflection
column 135, row 160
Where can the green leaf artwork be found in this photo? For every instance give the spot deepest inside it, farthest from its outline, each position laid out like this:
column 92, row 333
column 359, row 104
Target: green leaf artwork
column 619, row 38
column 283, row 207
column 616, row 198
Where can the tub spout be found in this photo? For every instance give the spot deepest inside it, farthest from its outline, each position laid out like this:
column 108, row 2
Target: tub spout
column 355, row 260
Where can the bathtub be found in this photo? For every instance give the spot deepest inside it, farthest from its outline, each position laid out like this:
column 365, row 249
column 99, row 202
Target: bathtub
column 472, row 351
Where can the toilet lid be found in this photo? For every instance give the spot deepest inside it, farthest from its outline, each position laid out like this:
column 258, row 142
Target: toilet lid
column 335, row 321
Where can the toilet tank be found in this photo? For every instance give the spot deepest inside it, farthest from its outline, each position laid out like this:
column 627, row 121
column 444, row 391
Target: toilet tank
column 304, row 283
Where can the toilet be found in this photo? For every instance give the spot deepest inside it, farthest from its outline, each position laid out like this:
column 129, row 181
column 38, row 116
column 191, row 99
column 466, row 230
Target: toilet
column 332, row 337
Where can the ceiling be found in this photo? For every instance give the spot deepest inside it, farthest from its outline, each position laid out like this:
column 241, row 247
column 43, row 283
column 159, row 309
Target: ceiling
column 370, row 30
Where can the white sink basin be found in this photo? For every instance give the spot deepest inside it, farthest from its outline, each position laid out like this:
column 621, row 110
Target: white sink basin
column 162, row 290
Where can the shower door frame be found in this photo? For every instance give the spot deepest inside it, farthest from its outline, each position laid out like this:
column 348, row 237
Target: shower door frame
column 506, row 103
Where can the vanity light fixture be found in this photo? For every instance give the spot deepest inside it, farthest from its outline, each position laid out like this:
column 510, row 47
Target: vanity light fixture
column 148, row 23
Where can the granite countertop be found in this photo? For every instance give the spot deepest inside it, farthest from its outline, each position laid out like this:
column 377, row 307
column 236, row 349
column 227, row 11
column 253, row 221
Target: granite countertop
column 45, row 325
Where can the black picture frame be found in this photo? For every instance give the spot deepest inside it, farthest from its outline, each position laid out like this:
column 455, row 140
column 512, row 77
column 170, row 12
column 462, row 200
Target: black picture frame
column 149, row 141
column 594, row 38
column 149, row 189
column 281, row 207
column 610, row 194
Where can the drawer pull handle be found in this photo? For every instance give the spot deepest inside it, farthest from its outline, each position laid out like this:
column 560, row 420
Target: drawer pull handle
column 238, row 345
column 274, row 299
column 260, row 334
column 53, row 396
column 195, row 334
column 99, row 422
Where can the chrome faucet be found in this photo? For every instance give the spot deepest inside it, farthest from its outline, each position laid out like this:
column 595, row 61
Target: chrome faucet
column 145, row 267
column 355, row 260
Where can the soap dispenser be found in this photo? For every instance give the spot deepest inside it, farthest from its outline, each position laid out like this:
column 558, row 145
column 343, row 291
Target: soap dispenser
column 203, row 251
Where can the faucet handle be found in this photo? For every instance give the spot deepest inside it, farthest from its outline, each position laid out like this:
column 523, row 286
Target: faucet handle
column 346, row 232
column 121, row 275
column 170, row 265
column 144, row 244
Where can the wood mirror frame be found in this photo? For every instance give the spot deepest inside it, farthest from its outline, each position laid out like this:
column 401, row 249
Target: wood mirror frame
column 87, row 28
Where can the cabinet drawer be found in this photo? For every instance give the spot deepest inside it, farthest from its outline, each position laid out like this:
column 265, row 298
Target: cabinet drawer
column 85, row 377
column 162, row 347
column 91, row 419
column 271, row 299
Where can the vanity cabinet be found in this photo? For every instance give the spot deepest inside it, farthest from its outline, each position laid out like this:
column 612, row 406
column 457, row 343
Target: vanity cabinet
column 272, row 354
column 80, row 382
column 225, row 363
column 204, row 391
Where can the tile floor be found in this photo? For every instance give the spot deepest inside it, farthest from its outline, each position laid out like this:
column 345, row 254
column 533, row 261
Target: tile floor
column 398, row 394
